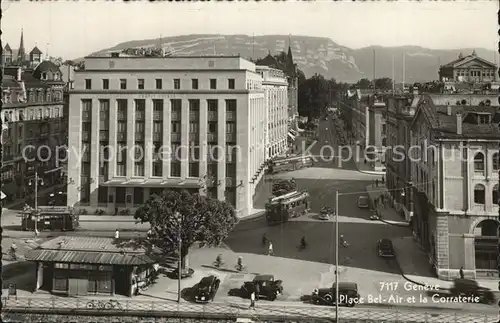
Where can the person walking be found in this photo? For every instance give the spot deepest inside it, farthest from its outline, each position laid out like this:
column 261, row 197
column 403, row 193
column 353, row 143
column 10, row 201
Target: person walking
column 252, row 300
column 461, row 272
column 383, row 179
column 117, row 234
column 376, row 182
column 270, row 251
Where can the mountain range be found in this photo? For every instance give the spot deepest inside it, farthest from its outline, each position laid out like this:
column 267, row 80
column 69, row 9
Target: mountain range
column 316, row 55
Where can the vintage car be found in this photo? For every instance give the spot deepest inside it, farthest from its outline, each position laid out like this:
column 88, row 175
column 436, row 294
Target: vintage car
column 385, row 248
column 325, row 213
column 348, row 294
column 206, row 289
column 264, row 286
column 470, row 288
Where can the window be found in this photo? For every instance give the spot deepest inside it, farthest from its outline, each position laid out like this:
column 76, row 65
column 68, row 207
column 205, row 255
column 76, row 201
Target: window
column 177, row 84
column 60, row 280
column 495, row 162
column 230, row 84
column 159, row 84
column 479, row 194
column 140, row 84
column 194, row 84
column 479, row 162
column 105, row 84
column 157, row 168
column 213, row 84
column 88, row 84
column 123, row 84
column 483, row 119
column 212, row 127
column 175, row 169
column 494, row 195
column 194, row 169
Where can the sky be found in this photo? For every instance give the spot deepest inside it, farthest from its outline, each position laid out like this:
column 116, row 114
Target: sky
column 73, row 29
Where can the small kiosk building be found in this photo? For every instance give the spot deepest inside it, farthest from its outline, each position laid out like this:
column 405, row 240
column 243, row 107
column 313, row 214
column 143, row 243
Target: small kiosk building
column 78, row 266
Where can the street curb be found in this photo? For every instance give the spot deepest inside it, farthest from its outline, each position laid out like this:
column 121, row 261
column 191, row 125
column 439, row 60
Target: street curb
column 113, row 221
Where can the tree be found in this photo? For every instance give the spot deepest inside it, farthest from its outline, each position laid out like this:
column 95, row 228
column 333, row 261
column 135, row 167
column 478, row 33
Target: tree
column 383, row 83
column 190, row 217
column 364, row 83
column 56, row 60
column 282, row 187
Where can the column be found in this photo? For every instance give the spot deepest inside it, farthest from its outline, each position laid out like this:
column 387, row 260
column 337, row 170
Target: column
column 74, row 150
column 112, row 137
column 184, row 138
column 203, row 136
column 146, row 193
column 148, row 139
column 468, row 254
column 94, row 153
column 130, row 138
column 129, row 191
column 112, row 193
column 221, row 142
column 167, row 125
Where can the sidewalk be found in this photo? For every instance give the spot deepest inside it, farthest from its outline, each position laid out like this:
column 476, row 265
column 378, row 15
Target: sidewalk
column 415, row 266
column 362, row 166
column 388, row 213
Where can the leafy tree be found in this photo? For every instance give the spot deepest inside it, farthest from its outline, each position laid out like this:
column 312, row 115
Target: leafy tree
column 364, row 83
column 383, row 83
column 282, row 187
column 175, row 215
column 56, row 60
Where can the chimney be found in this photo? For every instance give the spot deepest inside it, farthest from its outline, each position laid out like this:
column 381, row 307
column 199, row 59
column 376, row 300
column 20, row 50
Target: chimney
column 19, row 72
column 448, row 110
column 459, row 123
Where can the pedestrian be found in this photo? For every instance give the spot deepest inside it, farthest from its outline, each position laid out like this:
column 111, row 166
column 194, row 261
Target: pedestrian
column 376, row 182
column 383, row 179
column 252, row 301
column 116, row 211
column 364, row 161
column 270, row 251
column 264, row 240
column 117, row 234
column 461, row 272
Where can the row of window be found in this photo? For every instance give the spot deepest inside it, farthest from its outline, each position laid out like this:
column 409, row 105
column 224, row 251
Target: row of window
column 487, row 73
column 480, row 194
column 479, row 162
column 32, row 114
column 141, row 84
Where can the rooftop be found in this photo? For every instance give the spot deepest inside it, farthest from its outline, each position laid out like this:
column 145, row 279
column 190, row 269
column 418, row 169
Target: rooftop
column 88, row 244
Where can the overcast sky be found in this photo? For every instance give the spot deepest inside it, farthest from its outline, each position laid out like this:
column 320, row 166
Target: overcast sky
column 75, row 29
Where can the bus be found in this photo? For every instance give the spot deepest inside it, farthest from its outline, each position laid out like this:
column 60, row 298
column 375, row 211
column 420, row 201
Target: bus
column 50, row 219
column 291, row 205
column 289, row 164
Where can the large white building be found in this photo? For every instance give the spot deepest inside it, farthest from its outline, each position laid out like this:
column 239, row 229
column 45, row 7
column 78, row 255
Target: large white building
column 275, row 86
column 185, row 105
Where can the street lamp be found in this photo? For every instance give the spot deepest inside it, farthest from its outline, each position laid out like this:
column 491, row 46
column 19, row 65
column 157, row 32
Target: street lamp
column 37, row 181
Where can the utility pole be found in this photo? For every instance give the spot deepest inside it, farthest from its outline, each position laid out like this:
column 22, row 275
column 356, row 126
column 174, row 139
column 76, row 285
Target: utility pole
column 37, row 179
column 179, row 216
column 337, row 256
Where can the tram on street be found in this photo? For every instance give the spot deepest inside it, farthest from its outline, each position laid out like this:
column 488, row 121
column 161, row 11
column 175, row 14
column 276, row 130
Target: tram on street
column 50, row 219
column 289, row 164
column 282, row 208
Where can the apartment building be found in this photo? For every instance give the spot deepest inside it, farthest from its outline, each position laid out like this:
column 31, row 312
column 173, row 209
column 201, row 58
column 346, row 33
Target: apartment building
column 455, row 184
column 275, row 86
column 201, row 122
column 33, row 126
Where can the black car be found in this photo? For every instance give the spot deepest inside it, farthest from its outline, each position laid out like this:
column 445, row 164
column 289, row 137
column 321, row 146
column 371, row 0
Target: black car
column 348, row 294
column 385, row 248
column 264, row 286
column 206, row 289
column 470, row 288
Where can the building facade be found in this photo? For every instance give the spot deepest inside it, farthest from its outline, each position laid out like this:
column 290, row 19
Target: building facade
column 455, row 185
column 32, row 116
column 470, row 68
column 400, row 112
column 199, row 121
column 275, row 86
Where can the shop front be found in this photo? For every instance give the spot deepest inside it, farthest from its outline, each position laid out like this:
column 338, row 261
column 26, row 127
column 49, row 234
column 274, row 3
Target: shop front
column 80, row 266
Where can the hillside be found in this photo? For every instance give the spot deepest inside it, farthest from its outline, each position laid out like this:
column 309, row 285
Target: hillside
column 315, row 54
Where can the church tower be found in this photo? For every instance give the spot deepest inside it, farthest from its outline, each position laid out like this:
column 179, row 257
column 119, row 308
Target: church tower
column 21, row 54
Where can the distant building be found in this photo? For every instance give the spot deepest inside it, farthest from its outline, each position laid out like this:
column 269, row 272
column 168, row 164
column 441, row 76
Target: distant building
column 455, row 183
column 286, row 64
column 199, row 121
column 6, row 55
column 470, row 68
column 19, row 57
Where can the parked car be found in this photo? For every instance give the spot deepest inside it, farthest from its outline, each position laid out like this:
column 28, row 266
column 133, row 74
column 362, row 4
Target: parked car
column 385, row 248
column 363, row 202
column 470, row 288
column 264, row 286
column 348, row 294
column 206, row 289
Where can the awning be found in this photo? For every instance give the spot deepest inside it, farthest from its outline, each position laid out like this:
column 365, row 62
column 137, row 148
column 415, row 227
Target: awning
column 160, row 183
column 89, row 257
column 291, row 136
column 3, row 196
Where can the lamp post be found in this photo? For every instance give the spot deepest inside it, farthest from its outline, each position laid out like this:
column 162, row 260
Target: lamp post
column 337, row 256
column 179, row 259
column 36, row 182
